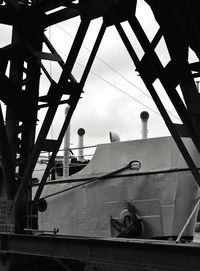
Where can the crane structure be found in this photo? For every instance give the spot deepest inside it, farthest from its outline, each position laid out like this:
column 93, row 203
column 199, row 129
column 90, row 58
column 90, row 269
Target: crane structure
column 21, row 66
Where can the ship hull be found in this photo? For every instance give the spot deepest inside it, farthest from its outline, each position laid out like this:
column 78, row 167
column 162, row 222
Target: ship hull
column 162, row 192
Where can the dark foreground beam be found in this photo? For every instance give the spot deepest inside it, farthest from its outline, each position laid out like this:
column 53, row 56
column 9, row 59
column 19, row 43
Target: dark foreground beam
column 103, row 254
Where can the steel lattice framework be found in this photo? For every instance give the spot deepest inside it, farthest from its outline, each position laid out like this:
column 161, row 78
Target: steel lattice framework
column 19, row 90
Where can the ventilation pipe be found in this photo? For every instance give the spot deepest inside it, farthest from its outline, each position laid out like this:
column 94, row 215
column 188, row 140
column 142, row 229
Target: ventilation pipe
column 66, row 147
column 144, row 118
column 114, row 137
column 80, row 133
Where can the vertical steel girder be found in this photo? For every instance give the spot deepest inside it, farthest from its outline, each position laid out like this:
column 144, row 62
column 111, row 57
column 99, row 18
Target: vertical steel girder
column 21, row 115
column 7, row 186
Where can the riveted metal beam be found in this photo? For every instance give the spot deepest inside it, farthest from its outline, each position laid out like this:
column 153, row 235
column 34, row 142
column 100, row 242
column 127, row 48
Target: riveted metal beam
column 102, row 254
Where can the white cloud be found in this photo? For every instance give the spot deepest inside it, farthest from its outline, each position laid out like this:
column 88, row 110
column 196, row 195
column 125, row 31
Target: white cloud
column 104, row 107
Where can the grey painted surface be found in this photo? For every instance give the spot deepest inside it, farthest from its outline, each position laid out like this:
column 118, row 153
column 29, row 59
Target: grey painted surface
column 164, row 201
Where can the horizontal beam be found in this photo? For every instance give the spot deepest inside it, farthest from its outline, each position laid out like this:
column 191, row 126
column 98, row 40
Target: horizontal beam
column 59, row 16
column 9, row 51
column 47, row 56
column 47, row 5
column 46, row 104
column 121, row 254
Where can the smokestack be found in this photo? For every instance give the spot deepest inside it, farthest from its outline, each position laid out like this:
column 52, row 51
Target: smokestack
column 66, row 147
column 144, row 118
column 80, row 133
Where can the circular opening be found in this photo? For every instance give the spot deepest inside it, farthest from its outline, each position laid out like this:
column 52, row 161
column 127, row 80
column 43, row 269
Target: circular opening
column 42, row 205
column 135, row 165
column 144, row 115
column 81, row 131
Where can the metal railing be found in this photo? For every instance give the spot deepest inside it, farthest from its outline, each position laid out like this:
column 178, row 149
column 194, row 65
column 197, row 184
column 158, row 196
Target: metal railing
column 73, row 160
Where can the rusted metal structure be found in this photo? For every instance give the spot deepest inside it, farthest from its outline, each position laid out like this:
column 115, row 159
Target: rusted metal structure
column 20, row 149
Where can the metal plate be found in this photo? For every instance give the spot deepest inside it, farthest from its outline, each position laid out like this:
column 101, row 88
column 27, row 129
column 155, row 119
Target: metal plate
column 7, row 217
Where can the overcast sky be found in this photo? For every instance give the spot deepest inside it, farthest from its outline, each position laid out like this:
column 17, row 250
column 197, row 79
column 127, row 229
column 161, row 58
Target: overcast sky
column 114, row 95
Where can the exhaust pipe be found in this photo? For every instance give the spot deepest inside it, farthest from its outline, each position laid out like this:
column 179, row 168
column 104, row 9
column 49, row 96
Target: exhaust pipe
column 144, row 118
column 114, row 137
column 66, row 148
column 80, row 133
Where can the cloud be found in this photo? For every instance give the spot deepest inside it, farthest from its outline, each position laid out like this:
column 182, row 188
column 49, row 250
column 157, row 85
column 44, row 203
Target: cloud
column 114, row 93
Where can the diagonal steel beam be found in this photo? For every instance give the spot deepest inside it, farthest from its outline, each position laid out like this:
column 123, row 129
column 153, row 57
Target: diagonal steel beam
column 169, row 88
column 53, row 50
column 57, row 92
column 73, row 100
column 160, row 106
column 93, row 54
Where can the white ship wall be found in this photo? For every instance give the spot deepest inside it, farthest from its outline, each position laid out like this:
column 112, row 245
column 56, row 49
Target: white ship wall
column 164, row 201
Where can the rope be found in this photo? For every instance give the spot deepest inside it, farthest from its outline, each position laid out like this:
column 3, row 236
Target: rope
column 129, row 166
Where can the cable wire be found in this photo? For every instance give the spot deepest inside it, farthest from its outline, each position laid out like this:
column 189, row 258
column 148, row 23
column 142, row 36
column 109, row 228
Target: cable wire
column 125, row 93
column 122, row 76
column 108, row 65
